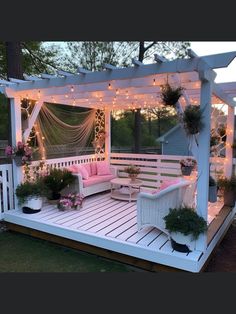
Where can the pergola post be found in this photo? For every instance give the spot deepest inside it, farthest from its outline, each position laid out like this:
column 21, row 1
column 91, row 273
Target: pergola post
column 15, row 104
column 203, row 154
column 108, row 134
column 229, row 142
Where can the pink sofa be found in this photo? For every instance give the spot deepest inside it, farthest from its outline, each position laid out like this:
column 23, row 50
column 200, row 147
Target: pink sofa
column 92, row 177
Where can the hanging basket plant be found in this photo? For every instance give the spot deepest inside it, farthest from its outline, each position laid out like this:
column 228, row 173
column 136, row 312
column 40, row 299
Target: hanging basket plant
column 170, row 95
column 192, row 119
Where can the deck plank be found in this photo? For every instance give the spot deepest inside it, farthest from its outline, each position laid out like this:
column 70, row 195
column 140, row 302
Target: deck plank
column 149, row 237
column 126, row 234
column 158, row 242
column 89, row 214
column 112, row 223
column 123, row 227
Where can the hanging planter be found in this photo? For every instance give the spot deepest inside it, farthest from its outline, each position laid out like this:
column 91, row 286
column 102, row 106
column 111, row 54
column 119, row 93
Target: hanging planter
column 169, row 95
column 192, row 119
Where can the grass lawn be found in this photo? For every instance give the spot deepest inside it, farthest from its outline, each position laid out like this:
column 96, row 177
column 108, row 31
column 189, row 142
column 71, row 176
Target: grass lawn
column 22, row 253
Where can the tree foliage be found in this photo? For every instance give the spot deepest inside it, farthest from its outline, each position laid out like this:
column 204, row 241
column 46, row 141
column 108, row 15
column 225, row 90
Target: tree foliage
column 36, row 58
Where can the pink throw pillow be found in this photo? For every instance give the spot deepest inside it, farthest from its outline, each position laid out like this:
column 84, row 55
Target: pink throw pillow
column 103, row 168
column 73, row 168
column 165, row 184
column 88, row 168
column 93, row 166
column 83, row 172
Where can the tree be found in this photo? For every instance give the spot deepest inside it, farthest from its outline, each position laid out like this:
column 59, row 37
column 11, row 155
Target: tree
column 31, row 57
column 168, row 49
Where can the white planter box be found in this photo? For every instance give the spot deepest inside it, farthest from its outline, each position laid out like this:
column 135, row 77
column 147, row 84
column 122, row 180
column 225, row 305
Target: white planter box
column 34, row 203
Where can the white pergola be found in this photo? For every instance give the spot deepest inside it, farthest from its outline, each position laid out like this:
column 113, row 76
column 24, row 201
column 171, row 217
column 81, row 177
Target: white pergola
column 134, row 87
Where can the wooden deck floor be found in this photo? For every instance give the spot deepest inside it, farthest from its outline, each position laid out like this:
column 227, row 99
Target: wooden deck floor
column 110, row 224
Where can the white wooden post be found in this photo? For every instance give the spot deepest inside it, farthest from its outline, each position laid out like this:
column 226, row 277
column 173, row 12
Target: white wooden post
column 203, row 156
column 229, row 142
column 16, row 137
column 108, row 134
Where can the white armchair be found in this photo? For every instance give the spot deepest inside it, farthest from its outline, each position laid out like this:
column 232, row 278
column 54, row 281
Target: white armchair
column 151, row 208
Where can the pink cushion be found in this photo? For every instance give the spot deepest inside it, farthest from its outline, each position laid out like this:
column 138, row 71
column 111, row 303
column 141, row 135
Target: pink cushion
column 103, row 168
column 165, row 184
column 82, row 170
column 88, row 168
column 97, row 179
column 73, row 168
column 93, row 167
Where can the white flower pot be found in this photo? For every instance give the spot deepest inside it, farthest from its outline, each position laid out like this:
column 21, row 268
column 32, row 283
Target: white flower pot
column 32, row 205
column 183, row 240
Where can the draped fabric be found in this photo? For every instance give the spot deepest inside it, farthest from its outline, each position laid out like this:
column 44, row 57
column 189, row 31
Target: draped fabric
column 64, row 128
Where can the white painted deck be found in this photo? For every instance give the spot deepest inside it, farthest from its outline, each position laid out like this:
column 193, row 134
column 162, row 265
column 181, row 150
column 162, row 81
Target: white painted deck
column 111, row 224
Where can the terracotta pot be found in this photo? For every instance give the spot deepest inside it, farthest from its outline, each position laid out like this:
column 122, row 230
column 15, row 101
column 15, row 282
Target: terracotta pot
column 133, row 176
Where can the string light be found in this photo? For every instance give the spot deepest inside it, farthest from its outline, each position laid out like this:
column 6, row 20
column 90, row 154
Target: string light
column 117, row 91
column 109, row 86
column 154, row 81
column 72, row 89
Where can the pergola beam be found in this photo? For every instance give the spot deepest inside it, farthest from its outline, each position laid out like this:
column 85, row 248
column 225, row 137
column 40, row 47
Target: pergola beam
column 108, row 66
column 83, row 71
column 136, row 62
column 64, row 73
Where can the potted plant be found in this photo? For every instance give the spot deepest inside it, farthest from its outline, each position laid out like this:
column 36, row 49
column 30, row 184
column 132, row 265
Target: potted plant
column 29, row 194
column 170, row 95
column 133, row 171
column 185, row 226
column 70, row 201
column 187, row 165
column 192, row 119
column 228, row 186
column 22, row 153
column 55, row 181
column 212, row 194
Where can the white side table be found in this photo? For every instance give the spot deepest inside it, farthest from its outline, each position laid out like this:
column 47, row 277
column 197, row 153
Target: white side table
column 125, row 189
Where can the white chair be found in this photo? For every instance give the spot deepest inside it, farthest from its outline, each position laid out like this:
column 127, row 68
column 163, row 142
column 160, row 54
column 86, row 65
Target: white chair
column 152, row 208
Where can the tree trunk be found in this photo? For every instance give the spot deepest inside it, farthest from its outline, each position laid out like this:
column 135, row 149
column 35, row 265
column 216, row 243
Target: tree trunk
column 14, row 60
column 14, row 70
column 137, row 114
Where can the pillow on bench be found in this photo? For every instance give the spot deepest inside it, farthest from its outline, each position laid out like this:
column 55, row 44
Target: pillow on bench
column 103, row 168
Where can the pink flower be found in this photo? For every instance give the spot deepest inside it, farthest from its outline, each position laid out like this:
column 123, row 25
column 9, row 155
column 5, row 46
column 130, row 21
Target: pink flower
column 20, row 145
column 9, row 151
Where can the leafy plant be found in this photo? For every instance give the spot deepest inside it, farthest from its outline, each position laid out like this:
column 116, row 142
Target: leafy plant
column 186, row 221
column 27, row 189
column 192, row 119
column 132, row 169
column 57, row 180
column 188, row 162
column 227, row 184
column 170, row 95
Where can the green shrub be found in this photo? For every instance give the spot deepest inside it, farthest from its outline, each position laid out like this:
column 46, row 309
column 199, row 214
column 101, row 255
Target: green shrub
column 186, row 221
column 26, row 189
column 57, row 180
column 227, row 184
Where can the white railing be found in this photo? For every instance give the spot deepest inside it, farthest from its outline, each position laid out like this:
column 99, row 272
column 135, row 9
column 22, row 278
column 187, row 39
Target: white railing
column 154, row 168
column 6, row 189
